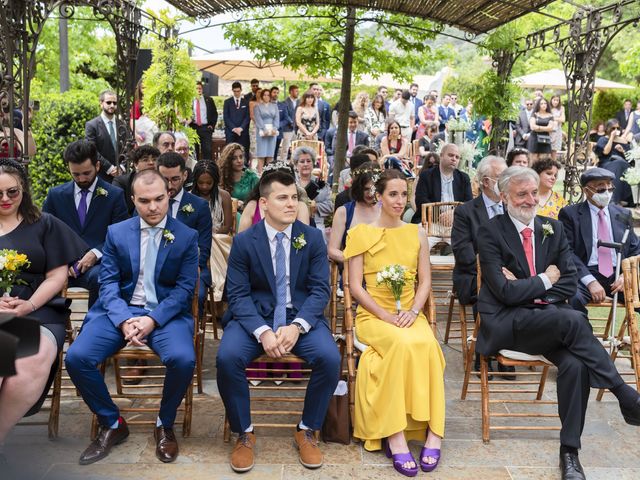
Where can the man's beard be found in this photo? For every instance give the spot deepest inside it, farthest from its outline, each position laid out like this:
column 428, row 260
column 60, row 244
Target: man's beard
column 522, row 214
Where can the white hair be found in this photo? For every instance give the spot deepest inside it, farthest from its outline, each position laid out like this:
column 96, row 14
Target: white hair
column 516, row 174
column 485, row 167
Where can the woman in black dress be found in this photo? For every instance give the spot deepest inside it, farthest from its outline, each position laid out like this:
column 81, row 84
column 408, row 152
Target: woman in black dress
column 50, row 246
column 541, row 124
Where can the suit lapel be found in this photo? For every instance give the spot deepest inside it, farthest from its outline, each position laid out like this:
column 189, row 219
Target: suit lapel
column 542, row 246
column 295, row 257
column 263, row 252
column 70, row 202
column 134, row 250
column 96, row 202
column 616, row 226
column 481, row 210
column 584, row 219
column 164, row 247
column 106, row 134
column 437, row 184
column 512, row 238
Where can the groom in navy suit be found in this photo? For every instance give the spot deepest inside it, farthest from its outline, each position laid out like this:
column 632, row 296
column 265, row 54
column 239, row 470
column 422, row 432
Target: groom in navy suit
column 88, row 205
column 277, row 289
column 148, row 276
column 191, row 210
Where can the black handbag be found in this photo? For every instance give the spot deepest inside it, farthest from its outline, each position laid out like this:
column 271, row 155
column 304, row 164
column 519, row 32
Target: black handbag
column 544, row 138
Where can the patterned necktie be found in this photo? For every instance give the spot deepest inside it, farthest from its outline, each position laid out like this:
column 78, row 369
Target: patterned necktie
column 280, row 314
column 528, row 248
column 605, row 264
column 172, row 202
column 148, row 280
column 112, row 134
column 82, row 206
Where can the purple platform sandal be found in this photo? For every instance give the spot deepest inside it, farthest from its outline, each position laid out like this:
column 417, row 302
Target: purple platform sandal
column 399, row 459
column 429, row 452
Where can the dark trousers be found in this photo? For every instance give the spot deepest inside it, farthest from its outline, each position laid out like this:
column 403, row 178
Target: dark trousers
column 565, row 338
column 204, row 150
column 242, row 139
column 88, row 280
column 583, row 296
column 238, row 349
column 99, row 339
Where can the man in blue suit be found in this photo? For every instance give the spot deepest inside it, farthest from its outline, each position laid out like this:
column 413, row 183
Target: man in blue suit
column 148, row 276
column 277, row 289
column 417, row 103
column 445, row 112
column 286, row 122
column 191, row 210
column 587, row 222
column 88, row 205
column 324, row 110
column 235, row 111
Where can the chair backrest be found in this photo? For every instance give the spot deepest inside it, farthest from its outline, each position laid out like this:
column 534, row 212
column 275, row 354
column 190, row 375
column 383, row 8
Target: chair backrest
column 416, row 152
column 234, row 216
column 631, row 271
column 437, row 218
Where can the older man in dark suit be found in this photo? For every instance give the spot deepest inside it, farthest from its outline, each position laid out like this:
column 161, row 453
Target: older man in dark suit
column 528, row 275
column 236, row 119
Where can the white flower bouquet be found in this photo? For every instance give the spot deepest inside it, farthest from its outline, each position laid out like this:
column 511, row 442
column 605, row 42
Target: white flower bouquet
column 633, row 154
column 632, row 176
column 395, row 277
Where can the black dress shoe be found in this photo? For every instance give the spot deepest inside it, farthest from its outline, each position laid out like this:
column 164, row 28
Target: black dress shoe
column 476, row 367
column 104, row 441
column 632, row 415
column 505, row 368
column 570, row 467
column 166, row 444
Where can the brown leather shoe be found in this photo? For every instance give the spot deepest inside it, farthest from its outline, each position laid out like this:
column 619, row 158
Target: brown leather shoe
column 242, row 455
column 134, row 372
column 307, row 443
column 104, row 441
column 166, row 444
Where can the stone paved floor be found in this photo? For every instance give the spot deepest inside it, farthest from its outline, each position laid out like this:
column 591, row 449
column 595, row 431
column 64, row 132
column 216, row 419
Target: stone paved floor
column 611, row 449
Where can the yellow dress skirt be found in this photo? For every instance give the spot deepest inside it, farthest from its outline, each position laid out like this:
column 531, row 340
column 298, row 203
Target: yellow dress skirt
column 400, row 379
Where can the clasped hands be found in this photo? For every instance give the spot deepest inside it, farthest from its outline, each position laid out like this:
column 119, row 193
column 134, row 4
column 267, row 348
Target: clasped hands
column 137, row 329
column 16, row 306
column 279, row 343
column 404, row 319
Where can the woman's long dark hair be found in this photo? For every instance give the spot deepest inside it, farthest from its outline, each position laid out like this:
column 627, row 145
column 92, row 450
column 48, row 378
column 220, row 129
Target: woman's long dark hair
column 202, row 167
column 27, row 210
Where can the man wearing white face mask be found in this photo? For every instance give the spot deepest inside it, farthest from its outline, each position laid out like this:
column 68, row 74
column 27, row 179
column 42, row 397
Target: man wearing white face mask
column 586, row 223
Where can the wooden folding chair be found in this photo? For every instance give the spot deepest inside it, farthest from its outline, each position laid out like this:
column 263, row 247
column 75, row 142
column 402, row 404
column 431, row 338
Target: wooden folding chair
column 529, row 377
column 150, row 386
column 437, row 220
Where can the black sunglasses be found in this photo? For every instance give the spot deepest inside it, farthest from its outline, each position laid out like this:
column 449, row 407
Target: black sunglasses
column 110, row 102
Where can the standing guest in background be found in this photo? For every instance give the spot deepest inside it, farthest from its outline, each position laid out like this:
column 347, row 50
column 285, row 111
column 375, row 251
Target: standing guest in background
column 146, row 301
column 384, row 93
column 50, row 246
column 624, row 115
column 360, row 105
column 457, row 108
column 402, row 111
column 204, row 119
column 397, row 94
column 104, row 131
column 253, row 94
column 633, row 125
column 206, row 178
column 236, row 119
column 190, row 210
column 254, row 100
column 355, row 137
column 141, row 158
column 267, row 119
column 557, row 110
column 541, row 124
column 612, row 146
column 445, row 112
column 549, row 202
column 427, row 116
column 236, row 179
column 164, row 142
column 324, row 110
column 523, row 128
column 417, row 103
column 88, row 205
column 307, row 118
column 292, row 105
column 518, row 157
column 375, row 118
column 286, row 122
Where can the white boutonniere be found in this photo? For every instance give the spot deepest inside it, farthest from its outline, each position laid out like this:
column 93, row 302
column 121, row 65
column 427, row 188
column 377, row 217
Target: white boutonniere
column 101, row 192
column 168, row 236
column 547, row 231
column 187, row 209
column 299, row 242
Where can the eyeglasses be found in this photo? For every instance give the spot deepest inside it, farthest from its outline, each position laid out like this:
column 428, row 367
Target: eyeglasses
column 529, row 104
column 603, row 189
column 109, row 102
column 11, row 193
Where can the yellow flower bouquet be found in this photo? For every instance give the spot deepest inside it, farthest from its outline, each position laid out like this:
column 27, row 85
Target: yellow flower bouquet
column 11, row 264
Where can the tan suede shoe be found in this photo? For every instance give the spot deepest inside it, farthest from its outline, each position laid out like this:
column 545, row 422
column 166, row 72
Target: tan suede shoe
column 242, row 455
column 307, row 443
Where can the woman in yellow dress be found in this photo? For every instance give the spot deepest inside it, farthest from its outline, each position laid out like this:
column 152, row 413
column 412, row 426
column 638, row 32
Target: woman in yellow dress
column 549, row 202
column 400, row 380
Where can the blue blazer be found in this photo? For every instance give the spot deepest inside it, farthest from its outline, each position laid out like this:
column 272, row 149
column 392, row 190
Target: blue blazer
column 103, row 211
column 418, row 104
column 324, row 110
column 287, row 122
column 576, row 220
column 235, row 117
column 251, row 284
column 445, row 114
column 200, row 221
column 176, row 273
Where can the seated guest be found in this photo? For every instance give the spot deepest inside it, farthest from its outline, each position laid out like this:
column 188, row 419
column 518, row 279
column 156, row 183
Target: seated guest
column 612, row 146
column 355, row 136
column 518, row 157
column 525, row 285
column 428, row 142
column 184, row 150
column 394, row 148
column 344, row 181
column 191, row 210
column 587, row 222
column 140, row 308
column 235, row 177
column 88, row 205
column 550, row 203
column 363, row 208
column 276, row 307
column 443, row 184
column 141, row 158
column 165, row 142
column 50, row 246
column 402, row 373
column 317, row 190
column 344, row 196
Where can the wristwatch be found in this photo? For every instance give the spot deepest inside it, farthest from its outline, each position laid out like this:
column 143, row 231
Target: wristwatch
column 301, row 329
column 415, row 312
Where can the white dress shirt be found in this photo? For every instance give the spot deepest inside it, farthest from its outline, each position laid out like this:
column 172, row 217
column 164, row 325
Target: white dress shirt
column 521, row 226
column 77, row 194
column 203, row 110
column 593, row 258
column 446, row 188
column 286, row 244
column 176, row 204
column 139, row 297
column 488, row 204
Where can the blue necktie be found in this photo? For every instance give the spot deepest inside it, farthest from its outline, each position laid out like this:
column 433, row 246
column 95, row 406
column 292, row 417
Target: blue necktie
column 82, row 206
column 497, row 209
column 149, row 269
column 280, row 314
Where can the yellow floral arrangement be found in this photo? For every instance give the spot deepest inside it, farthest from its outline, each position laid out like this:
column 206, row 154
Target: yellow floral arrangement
column 11, row 264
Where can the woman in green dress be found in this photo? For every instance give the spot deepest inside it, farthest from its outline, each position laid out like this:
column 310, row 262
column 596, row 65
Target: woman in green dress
column 236, row 178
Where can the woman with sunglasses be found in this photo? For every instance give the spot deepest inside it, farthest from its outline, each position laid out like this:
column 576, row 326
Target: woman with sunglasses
column 50, row 247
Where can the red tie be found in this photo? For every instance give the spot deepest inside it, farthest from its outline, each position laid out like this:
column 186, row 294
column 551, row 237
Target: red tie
column 351, row 142
column 528, row 248
column 198, row 116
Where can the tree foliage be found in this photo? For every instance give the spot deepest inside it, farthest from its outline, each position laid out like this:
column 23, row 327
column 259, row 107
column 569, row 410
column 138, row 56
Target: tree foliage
column 315, row 43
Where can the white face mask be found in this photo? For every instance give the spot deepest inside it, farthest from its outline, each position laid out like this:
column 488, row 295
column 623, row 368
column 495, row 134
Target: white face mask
column 602, row 199
column 522, row 215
